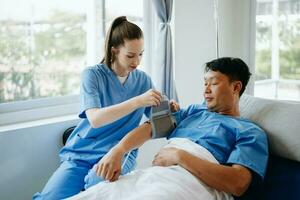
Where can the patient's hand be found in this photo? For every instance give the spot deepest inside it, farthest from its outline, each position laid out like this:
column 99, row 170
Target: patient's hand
column 109, row 167
column 174, row 106
column 166, row 157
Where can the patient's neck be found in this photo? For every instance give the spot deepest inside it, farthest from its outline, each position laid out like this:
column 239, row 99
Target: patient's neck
column 231, row 109
column 235, row 112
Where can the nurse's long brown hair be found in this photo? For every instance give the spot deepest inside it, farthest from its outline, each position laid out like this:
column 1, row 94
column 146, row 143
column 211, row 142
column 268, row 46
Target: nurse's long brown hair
column 119, row 30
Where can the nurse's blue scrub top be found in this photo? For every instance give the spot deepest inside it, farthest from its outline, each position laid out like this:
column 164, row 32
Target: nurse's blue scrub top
column 231, row 140
column 101, row 88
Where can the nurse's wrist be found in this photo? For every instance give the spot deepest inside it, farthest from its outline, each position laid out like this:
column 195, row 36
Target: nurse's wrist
column 136, row 103
column 119, row 148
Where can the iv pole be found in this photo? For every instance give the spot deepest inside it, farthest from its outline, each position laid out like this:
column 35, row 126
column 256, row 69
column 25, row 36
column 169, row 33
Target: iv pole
column 216, row 17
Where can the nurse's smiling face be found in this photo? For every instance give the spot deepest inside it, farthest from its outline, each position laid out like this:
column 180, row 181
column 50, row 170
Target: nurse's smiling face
column 128, row 56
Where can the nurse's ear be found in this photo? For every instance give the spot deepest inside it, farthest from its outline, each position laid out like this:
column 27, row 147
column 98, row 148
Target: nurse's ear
column 114, row 52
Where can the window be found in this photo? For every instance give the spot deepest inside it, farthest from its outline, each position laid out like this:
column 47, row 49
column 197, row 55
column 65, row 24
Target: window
column 45, row 45
column 43, row 48
column 277, row 73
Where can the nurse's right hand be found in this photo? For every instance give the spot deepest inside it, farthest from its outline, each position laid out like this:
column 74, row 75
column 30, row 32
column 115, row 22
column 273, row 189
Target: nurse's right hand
column 150, row 98
column 109, row 167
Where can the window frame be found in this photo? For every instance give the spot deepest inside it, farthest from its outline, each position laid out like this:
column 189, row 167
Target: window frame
column 252, row 59
column 36, row 109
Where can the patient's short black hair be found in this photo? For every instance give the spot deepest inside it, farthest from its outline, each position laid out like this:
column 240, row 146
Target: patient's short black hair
column 234, row 68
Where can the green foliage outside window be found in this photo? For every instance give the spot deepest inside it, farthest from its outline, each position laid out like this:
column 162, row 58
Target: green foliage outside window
column 42, row 59
column 289, row 51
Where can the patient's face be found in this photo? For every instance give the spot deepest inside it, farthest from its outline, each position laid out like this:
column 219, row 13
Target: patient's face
column 218, row 91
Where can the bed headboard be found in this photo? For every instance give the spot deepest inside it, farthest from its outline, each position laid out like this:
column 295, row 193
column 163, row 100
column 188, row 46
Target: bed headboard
column 280, row 120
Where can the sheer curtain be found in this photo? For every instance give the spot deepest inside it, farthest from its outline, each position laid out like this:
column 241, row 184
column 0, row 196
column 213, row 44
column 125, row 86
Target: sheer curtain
column 163, row 55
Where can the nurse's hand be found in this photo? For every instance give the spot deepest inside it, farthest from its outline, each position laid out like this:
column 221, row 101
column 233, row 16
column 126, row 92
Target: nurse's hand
column 150, row 98
column 109, row 167
column 174, row 106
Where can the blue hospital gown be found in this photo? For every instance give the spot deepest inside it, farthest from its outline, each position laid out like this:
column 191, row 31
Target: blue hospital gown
column 231, row 140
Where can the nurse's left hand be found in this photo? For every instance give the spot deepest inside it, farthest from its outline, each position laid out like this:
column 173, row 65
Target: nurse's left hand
column 174, row 106
column 166, row 157
column 109, row 167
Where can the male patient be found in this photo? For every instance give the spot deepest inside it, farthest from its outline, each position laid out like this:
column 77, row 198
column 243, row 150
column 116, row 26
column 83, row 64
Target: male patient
column 238, row 145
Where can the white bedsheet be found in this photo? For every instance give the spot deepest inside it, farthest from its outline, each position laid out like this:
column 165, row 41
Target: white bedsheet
column 158, row 183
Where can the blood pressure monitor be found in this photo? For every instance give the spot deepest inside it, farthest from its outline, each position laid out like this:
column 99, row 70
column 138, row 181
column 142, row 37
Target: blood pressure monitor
column 162, row 121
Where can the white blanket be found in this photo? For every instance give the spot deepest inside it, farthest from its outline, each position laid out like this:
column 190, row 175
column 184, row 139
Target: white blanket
column 158, row 183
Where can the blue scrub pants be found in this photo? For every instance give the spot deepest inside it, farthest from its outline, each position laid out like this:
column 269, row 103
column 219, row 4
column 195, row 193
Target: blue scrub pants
column 71, row 177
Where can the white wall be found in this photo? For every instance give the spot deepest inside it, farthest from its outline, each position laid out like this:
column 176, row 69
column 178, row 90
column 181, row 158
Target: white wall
column 237, row 34
column 28, row 157
column 194, row 45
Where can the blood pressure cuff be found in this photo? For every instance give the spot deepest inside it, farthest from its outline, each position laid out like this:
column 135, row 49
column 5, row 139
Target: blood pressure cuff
column 162, row 121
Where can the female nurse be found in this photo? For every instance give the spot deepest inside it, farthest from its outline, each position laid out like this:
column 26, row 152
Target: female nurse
column 114, row 96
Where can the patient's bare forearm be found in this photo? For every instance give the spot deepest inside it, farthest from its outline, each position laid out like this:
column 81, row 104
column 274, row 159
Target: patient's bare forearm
column 231, row 179
column 135, row 138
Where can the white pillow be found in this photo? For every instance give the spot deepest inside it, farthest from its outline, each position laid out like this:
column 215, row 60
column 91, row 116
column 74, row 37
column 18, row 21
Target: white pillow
column 280, row 120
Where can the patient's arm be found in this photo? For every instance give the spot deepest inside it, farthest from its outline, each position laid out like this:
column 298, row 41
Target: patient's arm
column 109, row 167
column 233, row 179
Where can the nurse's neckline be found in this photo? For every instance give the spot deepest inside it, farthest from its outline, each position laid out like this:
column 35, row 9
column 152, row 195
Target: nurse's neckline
column 115, row 72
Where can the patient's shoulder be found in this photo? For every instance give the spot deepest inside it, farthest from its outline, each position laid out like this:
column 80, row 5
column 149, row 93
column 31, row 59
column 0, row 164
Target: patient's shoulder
column 194, row 108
